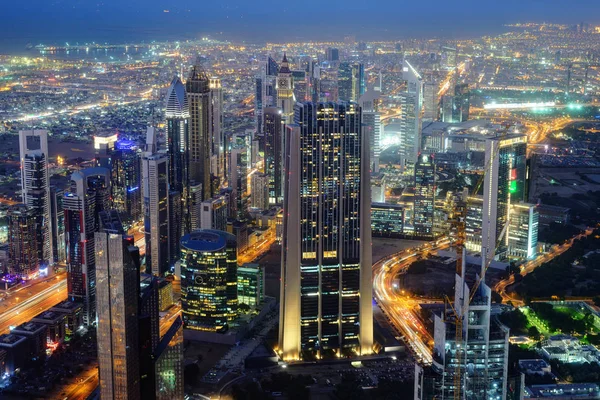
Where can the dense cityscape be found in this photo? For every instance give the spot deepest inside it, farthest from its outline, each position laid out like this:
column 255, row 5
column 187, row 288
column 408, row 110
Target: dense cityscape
column 212, row 219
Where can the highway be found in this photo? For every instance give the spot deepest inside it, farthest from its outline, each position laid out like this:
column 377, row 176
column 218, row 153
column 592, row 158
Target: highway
column 258, row 249
column 399, row 308
column 530, row 266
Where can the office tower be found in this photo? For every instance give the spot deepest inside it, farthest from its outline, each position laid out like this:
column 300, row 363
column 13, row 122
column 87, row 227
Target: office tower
column 177, row 114
column 301, row 85
column 461, row 103
column 387, row 220
column 273, row 160
column 208, row 280
column 332, row 55
column 285, row 91
column 214, row 213
column 117, row 294
column 351, row 81
column 238, row 180
column 195, row 207
column 474, row 224
column 424, row 196
column 326, row 258
column 504, row 184
column 155, row 185
column 35, row 186
column 447, row 109
column 217, row 134
column 251, row 285
column 88, row 195
column 266, row 91
column 411, row 102
column 260, row 191
column 23, row 261
column 371, row 119
column 483, row 350
column 199, row 151
column 449, row 57
column 168, row 363
column 431, row 106
column 57, row 215
column 523, row 231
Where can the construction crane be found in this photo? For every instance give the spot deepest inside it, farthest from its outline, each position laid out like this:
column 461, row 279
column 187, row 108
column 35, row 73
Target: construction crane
column 458, row 224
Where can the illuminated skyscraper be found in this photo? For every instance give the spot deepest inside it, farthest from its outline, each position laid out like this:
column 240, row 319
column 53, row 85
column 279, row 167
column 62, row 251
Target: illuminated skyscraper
column 273, row 160
column 88, row 196
column 208, row 280
column 57, row 214
column 117, row 298
column 326, row 286
column 198, row 94
column 217, row 134
column 168, row 363
column 23, row 261
column 266, row 91
column 504, row 184
column 35, row 186
column 411, row 103
column 260, row 191
column 523, row 231
column 285, row 92
column 424, row 196
column 238, row 180
column 371, row 119
column 177, row 114
column 351, row 81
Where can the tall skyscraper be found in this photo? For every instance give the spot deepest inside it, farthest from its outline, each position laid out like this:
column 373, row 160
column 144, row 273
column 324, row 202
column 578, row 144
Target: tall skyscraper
column 504, row 184
column 411, row 103
column 260, row 191
column 88, row 195
column 208, row 280
column 35, row 186
column 117, row 294
column 155, row 185
column 23, row 261
column 214, row 213
column 431, row 106
column 332, row 55
column 57, row 214
column 217, row 134
column 198, row 93
column 462, row 97
column 483, row 350
column 266, row 91
column 371, row 118
column 273, row 160
column 238, row 180
column 177, row 114
column 424, row 196
column 523, row 231
column 326, row 286
column 168, row 364
column 285, row 91
column 351, row 81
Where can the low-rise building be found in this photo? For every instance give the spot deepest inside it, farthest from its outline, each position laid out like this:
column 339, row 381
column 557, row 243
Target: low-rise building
column 36, row 335
column 55, row 323
column 535, row 366
column 74, row 315
column 16, row 348
column 250, row 284
column 563, row 391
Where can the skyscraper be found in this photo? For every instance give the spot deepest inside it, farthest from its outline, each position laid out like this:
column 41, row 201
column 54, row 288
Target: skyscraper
column 260, row 191
column 266, row 91
column 57, row 214
column 523, row 231
column 177, row 114
column 88, row 195
column 217, row 135
column 198, row 94
column 411, row 103
column 371, row 118
column 238, row 180
column 332, row 55
column 273, row 160
column 504, row 184
column 483, row 350
column 351, row 81
column 156, row 212
column 23, row 261
column 285, row 91
column 168, row 364
column 117, row 300
column 424, row 196
column 208, row 280
column 35, row 185
column 326, row 258
column 462, row 98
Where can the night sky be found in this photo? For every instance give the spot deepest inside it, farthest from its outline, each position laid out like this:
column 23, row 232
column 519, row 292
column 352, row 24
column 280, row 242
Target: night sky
column 36, row 21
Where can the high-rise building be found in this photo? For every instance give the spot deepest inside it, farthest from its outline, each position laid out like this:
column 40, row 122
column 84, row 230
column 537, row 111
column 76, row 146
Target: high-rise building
column 155, row 185
column 351, row 81
column 273, row 151
column 371, row 118
column 217, row 134
column 387, row 220
column 474, row 224
column 238, row 180
column 462, row 97
column 214, row 213
column 285, row 91
column 483, row 350
column 251, row 284
column 23, row 261
column 117, row 295
column 326, row 259
column 504, row 184
column 431, row 101
column 199, row 151
column 260, row 191
column 88, row 195
column 266, row 91
column 411, row 104
column 208, row 280
column 57, row 214
column 332, row 55
column 523, row 231
column 424, row 196
column 35, row 186
column 168, row 363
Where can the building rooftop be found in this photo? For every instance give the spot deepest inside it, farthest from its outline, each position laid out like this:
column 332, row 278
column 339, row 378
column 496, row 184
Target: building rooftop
column 49, row 317
column 67, row 306
column 29, row 328
column 10, row 340
column 207, row 240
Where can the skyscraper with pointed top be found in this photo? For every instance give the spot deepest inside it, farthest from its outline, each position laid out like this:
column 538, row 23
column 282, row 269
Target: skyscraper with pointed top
column 198, row 95
column 285, row 91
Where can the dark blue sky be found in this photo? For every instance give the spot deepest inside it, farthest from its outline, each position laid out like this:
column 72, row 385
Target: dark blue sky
column 56, row 21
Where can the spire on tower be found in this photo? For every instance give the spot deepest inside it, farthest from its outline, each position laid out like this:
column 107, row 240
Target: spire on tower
column 285, row 66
